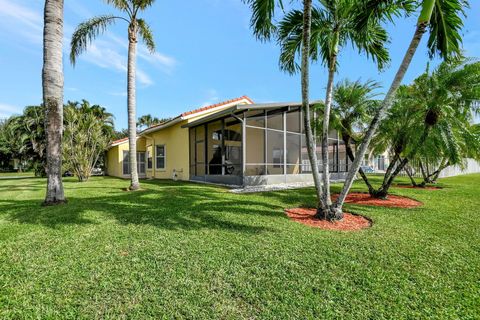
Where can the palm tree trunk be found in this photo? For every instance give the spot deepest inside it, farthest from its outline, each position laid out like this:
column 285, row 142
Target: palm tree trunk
column 422, row 24
column 325, row 156
column 132, row 121
column 52, row 81
column 311, row 148
column 387, row 182
column 408, row 170
column 348, row 149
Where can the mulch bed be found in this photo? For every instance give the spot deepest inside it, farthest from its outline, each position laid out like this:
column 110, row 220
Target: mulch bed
column 392, row 201
column 404, row 186
column 350, row 222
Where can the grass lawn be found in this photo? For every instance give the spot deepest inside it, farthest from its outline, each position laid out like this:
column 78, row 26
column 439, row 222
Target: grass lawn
column 182, row 250
column 16, row 174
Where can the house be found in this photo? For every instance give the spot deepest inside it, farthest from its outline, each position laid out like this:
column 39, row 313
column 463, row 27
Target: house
column 236, row 142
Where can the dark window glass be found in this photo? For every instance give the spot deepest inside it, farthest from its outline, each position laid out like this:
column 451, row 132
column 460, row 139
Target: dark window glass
column 149, row 160
column 275, row 147
column 275, row 119
column 192, row 146
column 255, row 149
column 160, row 157
column 141, row 162
column 126, row 162
column 214, row 156
column 293, row 121
column 255, row 118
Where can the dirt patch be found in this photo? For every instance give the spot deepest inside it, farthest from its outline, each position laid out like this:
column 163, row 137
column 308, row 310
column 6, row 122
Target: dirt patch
column 404, row 186
column 392, row 201
column 350, row 222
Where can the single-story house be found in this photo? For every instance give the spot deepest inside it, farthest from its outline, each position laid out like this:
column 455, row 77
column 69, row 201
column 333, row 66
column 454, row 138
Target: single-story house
column 236, row 142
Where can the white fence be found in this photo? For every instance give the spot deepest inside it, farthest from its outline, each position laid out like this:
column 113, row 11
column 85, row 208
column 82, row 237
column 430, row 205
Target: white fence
column 472, row 166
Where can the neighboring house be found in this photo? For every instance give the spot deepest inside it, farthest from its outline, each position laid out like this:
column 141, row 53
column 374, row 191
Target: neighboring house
column 236, row 142
column 378, row 162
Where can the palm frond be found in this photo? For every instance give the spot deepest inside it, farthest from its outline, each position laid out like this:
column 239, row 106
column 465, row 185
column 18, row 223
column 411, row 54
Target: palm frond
column 86, row 32
column 445, row 26
column 263, row 12
column 146, row 34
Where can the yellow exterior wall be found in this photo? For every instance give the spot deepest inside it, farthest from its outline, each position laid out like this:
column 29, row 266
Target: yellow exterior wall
column 115, row 157
column 175, row 140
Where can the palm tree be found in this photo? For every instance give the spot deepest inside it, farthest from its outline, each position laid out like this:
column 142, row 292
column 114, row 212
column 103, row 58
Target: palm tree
column 353, row 103
column 333, row 25
column 137, row 27
column 443, row 104
column 443, row 18
column 147, row 121
column 263, row 12
column 52, row 82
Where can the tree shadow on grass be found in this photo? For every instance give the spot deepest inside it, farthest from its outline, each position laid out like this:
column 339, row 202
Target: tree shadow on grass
column 163, row 205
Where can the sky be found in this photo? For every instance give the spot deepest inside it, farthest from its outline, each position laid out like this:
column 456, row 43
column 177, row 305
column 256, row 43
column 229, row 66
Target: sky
column 206, row 53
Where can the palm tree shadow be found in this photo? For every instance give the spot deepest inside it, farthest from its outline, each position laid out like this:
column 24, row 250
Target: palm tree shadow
column 178, row 207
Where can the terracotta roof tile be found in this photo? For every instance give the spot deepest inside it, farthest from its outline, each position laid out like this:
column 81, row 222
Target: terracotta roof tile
column 215, row 105
column 119, row 140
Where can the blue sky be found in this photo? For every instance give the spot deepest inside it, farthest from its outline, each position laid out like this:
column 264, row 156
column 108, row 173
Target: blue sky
column 205, row 54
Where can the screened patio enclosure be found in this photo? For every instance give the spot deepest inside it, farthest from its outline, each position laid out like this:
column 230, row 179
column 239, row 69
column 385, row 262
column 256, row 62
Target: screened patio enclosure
column 255, row 145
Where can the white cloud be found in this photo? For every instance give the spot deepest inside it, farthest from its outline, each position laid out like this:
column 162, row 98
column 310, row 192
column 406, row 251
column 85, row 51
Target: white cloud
column 109, row 51
column 6, row 110
column 21, row 20
column 212, row 98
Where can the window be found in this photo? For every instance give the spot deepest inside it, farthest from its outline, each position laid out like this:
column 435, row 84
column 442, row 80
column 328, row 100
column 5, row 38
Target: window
column 160, row 157
column 140, row 163
column 126, row 162
column 149, row 160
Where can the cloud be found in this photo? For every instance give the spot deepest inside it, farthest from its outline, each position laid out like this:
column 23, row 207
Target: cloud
column 108, row 51
column 6, row 110
column 212, row 98
column 22, row 20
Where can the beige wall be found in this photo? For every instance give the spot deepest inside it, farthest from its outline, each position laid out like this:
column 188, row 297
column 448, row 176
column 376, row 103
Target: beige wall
column 115, row 157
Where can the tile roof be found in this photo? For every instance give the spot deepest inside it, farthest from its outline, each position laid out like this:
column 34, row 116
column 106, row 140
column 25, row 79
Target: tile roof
column 118, row 141
column 216, row 105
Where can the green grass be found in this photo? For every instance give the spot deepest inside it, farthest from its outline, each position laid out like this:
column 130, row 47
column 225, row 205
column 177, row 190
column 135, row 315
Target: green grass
column 16, row 174
column 181, row 250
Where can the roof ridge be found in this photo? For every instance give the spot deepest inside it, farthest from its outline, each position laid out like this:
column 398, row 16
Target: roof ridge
column 244, row 97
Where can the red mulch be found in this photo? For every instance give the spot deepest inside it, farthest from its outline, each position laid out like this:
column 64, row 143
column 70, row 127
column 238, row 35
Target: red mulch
column 350, row 222
column 404, row 186
column 392, row 201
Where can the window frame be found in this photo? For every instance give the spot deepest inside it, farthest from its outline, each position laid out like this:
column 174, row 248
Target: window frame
column 149, row 159
column 157, row 156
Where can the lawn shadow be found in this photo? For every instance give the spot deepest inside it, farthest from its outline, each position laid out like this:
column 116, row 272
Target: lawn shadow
column 180, row 206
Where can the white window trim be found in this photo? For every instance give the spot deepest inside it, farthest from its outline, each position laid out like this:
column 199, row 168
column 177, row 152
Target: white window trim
column 164, row 157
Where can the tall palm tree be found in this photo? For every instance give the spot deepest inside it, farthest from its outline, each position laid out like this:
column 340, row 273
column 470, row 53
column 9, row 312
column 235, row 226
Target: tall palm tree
column 52, row 82
column 334, row 25
column 353, row 103
column 264, row 29
column 443, row 18
column 88, row 30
